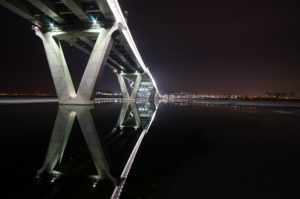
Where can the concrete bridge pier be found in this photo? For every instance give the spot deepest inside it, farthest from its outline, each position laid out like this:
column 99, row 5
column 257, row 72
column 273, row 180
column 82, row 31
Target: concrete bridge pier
column 129, row 93
column 92, row 74
column 59, row 70
column 152, row 94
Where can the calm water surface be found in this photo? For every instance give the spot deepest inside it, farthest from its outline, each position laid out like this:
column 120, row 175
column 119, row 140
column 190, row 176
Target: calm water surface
column 200, row 149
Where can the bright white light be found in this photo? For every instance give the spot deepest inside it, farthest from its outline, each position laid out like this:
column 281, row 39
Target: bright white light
column 94, row 21
column 52, row 180
column 51, row 24
column 94, row 185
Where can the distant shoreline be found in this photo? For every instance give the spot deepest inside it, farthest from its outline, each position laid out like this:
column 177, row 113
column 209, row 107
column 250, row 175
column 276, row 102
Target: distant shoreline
column 235, row 99
column 275, row 103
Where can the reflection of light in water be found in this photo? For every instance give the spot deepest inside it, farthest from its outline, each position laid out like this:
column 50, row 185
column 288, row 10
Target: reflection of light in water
column 62, row 129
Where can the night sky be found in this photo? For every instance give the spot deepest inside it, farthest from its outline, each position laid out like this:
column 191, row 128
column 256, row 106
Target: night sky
column 244, row 47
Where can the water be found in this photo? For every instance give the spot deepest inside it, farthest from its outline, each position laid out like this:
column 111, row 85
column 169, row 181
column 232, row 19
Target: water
column 183, row 149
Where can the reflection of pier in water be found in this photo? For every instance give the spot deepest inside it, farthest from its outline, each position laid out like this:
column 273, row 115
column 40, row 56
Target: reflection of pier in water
column 100, row 171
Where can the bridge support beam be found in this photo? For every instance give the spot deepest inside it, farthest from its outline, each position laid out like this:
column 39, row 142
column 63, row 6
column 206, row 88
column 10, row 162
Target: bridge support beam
column 152, row 94
column 92, row 74
column 125, row 91
column 58, row 66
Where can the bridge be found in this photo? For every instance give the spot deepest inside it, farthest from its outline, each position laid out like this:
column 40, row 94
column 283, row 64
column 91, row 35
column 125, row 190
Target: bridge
column 96, row 27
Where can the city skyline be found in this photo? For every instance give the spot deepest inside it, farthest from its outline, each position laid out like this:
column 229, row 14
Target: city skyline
column 205, row 50
column 107, row 92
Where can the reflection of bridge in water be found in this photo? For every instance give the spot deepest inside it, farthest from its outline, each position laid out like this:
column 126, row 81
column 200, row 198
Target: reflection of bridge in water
column 101, row 170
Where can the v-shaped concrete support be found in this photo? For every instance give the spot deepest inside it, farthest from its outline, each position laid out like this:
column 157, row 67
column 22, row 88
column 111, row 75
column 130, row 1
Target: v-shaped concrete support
column 59, row 70
column 92, row 74
column 152, row 94
column 124, row 89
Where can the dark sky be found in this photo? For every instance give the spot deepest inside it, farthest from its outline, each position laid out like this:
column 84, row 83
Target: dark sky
column 245, row 47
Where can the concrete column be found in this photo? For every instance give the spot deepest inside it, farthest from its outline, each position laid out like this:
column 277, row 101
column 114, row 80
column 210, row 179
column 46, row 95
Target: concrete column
column 59, row 138
column 123, row 87
column 124, row 90
column 136, row 86
column 152, row 105
column 152, row 94
column 58, row 67
column 94, row 68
